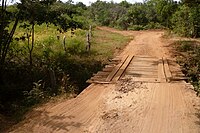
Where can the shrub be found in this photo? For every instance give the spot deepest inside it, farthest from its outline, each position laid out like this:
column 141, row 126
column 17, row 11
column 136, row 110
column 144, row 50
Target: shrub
column 75, row 46
column 190, row 61
column 185, row 21
column 197, row 88
column 136, row 27
column 185, row 46
column 35, row 95
column 152, row 25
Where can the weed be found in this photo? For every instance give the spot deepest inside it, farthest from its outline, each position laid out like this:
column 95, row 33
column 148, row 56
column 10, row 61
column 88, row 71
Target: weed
column 190, row 61
column 71, row 68
column 185, row 46
column 35, row 95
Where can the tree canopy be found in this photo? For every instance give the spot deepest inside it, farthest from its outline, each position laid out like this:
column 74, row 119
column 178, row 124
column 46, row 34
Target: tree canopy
column 181, row 17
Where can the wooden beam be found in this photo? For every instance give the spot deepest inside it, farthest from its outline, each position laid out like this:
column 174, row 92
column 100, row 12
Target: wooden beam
column 161, row 73
column 167, row 70
column 116, row 69
column 122, row 68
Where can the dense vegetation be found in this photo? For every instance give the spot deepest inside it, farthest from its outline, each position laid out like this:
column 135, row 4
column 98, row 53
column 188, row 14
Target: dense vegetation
column 42, row 42
column 32, row 59
column 182, row 17
column 43, row 54
column 188, row 58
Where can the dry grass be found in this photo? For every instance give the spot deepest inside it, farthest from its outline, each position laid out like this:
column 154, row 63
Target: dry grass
column 106, row 44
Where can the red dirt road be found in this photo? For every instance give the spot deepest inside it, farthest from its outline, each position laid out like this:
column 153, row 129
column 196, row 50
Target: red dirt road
column 126, row 106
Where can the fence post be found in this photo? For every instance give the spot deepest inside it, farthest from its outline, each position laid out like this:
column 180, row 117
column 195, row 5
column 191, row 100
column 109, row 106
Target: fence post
column 88, row 42
column 53, row 80
column 90, row 31
column 64, row 45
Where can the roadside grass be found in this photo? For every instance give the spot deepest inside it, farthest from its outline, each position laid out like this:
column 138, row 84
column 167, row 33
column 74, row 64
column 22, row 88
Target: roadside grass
column 49, row 50
column 25, row 88
column 106, row 44
column 189, row 60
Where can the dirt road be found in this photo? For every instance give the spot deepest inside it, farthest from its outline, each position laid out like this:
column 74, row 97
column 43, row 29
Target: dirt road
column 126, row 106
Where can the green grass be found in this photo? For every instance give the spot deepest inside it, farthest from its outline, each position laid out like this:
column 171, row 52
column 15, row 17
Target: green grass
column 49, row 54
column 106, row 44
column 76, row 64
column 103, row 44
column 189, row 60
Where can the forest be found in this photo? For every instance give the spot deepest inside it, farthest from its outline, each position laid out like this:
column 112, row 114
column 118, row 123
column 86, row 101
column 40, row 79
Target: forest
column 37, row 63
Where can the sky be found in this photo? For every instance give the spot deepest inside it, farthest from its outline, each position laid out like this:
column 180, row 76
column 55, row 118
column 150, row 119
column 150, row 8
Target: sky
column 87, row 2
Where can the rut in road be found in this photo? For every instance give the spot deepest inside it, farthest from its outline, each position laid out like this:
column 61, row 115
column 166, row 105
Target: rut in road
column 144, row 92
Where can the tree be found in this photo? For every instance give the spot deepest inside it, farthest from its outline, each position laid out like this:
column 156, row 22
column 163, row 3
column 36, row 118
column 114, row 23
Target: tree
column 117, row 12
column 191, row 2
column 163, row 10
column 186, row 20
column 99, row 12
column 137, row 15
column 125, row 4
column 34, row 12
column 5, row 35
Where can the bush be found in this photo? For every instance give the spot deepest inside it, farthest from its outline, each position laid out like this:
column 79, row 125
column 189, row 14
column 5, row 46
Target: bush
column 185, row 21
column 136, row 27
column 197, row 88
column 186, row 46
column 35, row 95
column 75, row 46
column 152, row 25
column 79, row 69
column 190, row 61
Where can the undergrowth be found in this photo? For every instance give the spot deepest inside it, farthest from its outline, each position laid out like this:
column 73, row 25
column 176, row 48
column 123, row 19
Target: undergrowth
column 55, row 70
column 189, row 59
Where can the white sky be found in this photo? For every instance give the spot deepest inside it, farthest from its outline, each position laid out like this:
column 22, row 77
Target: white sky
column 87, row 2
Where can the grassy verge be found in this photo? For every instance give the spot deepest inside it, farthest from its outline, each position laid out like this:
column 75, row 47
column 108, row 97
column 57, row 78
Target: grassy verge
column 106, row 44
column 189, row 60
column 23, row 87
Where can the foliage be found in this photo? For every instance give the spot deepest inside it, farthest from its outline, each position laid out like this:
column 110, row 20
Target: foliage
column 105, row 44
column 34, row 65
column 186, row 21
column 190, row 61
column 71, row 68
column 7, row 16
column 35, row 95
column 26, row 58
column 152, row 25
column 75, row 46
column 39, row 12
column 125, row 15
column 136, row 27
column 182, row 17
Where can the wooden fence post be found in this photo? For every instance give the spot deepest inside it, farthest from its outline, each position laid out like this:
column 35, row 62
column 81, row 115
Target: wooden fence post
column 88, row 42
column 90, row 31
column 64, row 45
column 53, row 80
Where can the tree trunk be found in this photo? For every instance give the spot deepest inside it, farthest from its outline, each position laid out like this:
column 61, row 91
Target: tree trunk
column 88, row 42
column 64, row 43
column 32, row 46
column 8, row 41
column 90, row 31
column 2, row 28
column 53, row 81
